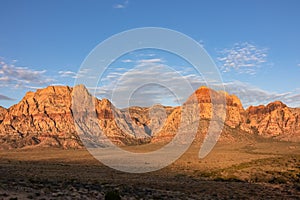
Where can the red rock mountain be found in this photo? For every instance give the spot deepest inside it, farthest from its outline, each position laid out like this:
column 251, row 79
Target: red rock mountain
column 275, row 120
column 205, row 98
column 45, row 118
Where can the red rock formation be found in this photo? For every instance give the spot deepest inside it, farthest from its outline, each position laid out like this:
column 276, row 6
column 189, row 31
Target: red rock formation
column 275, row 120
column 209, row 103
column 44, row 118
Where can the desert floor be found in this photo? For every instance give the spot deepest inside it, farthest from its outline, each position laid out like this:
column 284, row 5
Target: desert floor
column 265, row 170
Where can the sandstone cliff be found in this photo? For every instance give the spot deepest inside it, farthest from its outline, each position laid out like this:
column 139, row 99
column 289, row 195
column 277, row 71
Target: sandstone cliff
column 45, row 118
column 275, row 120
column 224, row 104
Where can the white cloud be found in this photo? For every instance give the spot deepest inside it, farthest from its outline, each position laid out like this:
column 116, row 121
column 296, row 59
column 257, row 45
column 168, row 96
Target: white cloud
column 67, row 74
column 120, row 80
column 243, row 58
column 144, row 61
column 127, row 61
column 146, row 54
column 118, row 6
column 251, row 95
column 152, row 70
column 13, row 76
column 149, row 82
column 71, row 74
column 149, row 61
column 152, row 93
column 3, row 97
column 121, row 5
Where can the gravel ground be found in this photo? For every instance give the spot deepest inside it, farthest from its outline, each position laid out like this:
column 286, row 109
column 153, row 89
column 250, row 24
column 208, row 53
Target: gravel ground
column 74, row 174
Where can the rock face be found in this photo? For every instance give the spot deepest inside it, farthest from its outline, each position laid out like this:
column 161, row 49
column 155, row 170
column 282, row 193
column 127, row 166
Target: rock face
column 3, row 112
column 275, row 120
column 46, row 118
column 43, row 117
column 98, row 121
column 206, row 97
column 211, row 105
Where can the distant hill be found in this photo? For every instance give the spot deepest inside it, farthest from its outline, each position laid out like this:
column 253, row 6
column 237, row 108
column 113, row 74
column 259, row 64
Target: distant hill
column 44, row 118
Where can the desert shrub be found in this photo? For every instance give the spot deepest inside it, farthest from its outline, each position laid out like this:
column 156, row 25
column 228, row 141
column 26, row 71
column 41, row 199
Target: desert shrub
column 297, row 186
column 278, row 180
column 254, row 130
column 260, row 177
column 228, row 179
column 112, row 195
column 206, row 174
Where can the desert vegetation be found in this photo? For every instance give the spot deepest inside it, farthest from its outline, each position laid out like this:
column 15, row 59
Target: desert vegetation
column 265, row 170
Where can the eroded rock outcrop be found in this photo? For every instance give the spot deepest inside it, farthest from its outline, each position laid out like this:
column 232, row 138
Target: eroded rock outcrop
column 275, row 120
column 212, row 106
column 40, row 118
column 46, row 118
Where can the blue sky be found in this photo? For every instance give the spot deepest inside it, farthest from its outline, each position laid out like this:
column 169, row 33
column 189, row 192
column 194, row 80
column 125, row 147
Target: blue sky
column 255, row 44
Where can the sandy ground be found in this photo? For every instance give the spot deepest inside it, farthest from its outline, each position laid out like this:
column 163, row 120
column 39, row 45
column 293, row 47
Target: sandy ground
column 269, row 170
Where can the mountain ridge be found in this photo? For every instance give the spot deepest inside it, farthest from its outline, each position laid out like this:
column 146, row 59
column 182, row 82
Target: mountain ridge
column 45, row 118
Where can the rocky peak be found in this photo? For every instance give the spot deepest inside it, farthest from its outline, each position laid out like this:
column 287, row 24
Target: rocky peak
column 45, row 118
column 53, row 99
column 275, row 120
column 261, row 109
column 40, row 118
column 205, row 95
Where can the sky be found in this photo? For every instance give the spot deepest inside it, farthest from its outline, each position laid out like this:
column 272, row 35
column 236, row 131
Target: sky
column 254, row 44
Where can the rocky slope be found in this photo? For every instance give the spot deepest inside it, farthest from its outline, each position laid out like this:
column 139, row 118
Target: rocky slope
column 101, row 122
column 229, row 105
column 42, row 118
column 274, row 120
column 45, row 118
